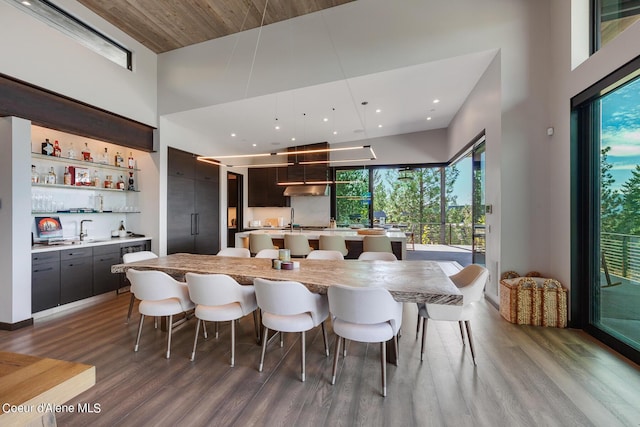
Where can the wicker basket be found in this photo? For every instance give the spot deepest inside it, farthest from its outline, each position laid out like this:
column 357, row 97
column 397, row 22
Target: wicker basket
column 533, row 301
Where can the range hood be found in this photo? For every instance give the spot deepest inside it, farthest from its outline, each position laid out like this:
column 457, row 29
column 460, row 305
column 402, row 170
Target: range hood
column 306, row 190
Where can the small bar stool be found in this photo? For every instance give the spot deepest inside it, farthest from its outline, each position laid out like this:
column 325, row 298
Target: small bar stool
column 376, row 244
column 298, row 244
column 260, row 241
column 333, row 243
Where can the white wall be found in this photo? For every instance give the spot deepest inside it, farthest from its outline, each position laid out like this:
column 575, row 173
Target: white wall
column 15, row 199
column 43, row 56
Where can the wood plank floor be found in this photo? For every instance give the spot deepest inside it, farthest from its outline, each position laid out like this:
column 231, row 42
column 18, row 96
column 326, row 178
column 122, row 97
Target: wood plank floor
column 526, row 376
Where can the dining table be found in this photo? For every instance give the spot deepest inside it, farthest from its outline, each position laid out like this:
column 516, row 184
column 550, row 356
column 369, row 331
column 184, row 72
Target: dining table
column 407, row 281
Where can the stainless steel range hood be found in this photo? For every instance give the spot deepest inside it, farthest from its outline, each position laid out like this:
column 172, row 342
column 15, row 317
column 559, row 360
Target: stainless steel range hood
column 306, row 190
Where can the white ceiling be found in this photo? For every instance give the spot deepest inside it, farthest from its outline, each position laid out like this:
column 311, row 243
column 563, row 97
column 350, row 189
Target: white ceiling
column 405, row 97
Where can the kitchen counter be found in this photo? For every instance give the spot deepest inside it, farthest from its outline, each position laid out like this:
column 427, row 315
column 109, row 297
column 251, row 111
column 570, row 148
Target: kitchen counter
column 353, row 239
column 38, row 247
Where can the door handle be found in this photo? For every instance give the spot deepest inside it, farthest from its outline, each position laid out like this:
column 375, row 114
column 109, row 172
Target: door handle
column 197, row 223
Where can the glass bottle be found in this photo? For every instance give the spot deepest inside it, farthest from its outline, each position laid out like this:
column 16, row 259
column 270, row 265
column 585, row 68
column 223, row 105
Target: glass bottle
column 35, row 178
column 119, row 160
column 121, row 183
column 67, row 176
column 107, row 182
column 131, row 162
column 86, row 153
column 51, row 177
column 71, row 153
column 56, row 149
column 131, row 186
column 104, row 158
column 95, row 179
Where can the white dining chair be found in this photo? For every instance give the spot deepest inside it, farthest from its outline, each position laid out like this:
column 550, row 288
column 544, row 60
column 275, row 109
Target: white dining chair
column 325, row 254
column 376, row 244
column 365, row 315
column 159, row 295
column 234, row 252
column 289, row 306
column 333, row 243
column 133, row 257
column 219, row 298
column 377, row 256
column 268, row 253
column 471, row 281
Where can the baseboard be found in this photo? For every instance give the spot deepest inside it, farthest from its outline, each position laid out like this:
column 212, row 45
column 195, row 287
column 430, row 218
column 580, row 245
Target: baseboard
column 13, row 326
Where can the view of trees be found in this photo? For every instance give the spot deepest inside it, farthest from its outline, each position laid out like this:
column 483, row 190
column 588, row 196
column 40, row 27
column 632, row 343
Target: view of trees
column 408, row 197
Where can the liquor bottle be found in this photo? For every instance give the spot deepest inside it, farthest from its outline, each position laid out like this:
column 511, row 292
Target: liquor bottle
column 67, row 176
column 95, row 179
column 121, row 228
column 131, row 186
column 104, row 158
column 107, row 182
column 71, row 153
column 47, row 147
column 131, row 162
column 121, row 183
column 119, row 160
column 86, row 153
column 35, row 177
column 56, row 149
column 51, row 177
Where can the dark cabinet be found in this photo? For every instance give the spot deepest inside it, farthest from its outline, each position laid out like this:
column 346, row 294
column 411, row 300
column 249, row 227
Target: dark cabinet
column 264, row 190
column 76, row 274
column 103, row 258
column 309, row 173
column 45, row 280
column 193, row 204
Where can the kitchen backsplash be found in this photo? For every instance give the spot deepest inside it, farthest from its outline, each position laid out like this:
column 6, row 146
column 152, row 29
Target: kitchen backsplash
column 310, row 211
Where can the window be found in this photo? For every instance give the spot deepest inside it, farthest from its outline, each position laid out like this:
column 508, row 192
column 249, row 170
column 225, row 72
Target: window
column 606, row 208
column 57, row 18
column 611, row 17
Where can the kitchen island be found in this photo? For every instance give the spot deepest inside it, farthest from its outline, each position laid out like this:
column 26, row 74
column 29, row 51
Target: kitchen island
column 352, row 239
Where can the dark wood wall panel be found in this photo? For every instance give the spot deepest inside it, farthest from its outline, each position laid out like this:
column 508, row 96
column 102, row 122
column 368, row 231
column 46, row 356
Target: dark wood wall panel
column 54, row 111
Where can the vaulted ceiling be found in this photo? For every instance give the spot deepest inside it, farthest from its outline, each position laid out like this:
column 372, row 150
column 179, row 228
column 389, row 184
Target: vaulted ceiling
column 164, row 25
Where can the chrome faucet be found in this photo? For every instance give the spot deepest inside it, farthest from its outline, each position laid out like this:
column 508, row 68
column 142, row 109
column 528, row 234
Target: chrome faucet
column 83, row 233
column 291, row 223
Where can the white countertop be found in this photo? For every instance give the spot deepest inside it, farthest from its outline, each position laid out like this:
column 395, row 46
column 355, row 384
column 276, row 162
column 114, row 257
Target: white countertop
column 87, row 244
column 349, row 234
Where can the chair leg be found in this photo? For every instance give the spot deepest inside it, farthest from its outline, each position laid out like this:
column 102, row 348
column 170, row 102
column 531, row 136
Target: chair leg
column 195, row 341
column 204, row 329
column 233, row 343
column 326, row 342
column 473, row 353
column 135, row 348
column 217, row 329
column 383, row 363
column 264, row 347
column 461, row 331
column 303, row 345
column 256, row 325
column 344, row 347
column 281, row 339
column 418, row 325
column 169, row 336
column 424, row 338
column 133, row 299
column 395, row 347
column 335, row 360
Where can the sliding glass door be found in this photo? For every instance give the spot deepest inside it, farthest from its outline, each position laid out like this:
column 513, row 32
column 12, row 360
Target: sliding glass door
column 478, row 206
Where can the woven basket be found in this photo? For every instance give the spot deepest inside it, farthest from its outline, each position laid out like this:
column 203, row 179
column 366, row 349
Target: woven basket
column 533, row 301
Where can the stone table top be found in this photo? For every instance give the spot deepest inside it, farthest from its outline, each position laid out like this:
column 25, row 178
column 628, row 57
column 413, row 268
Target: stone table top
column 408, row 281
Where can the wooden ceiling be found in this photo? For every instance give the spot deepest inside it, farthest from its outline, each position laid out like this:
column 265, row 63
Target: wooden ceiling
column 164, row 25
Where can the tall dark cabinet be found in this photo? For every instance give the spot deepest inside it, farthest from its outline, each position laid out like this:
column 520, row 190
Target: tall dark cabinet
column 193, row 204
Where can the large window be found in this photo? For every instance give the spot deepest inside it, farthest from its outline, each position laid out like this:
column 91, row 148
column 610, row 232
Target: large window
column 611, row 17
column 606, row 240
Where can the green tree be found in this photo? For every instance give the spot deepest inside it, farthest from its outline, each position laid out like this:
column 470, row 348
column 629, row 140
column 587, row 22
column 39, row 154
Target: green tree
column 609, row 198
column 630, row 214
column 352, row 196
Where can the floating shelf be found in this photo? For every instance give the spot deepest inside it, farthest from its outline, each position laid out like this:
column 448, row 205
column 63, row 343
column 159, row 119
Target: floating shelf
column 81, row 163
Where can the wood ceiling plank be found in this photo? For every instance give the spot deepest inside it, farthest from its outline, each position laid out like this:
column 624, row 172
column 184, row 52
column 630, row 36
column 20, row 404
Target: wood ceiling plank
column 164, row 25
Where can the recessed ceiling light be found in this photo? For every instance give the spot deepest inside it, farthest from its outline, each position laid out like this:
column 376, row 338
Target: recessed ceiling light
column 255, row 145
column 325, row 119
column 277, row 127
column 293, row 139
column 233, row 134
column 378, row 110
column 26, row 3
column 335, row 132
column 435, row 101
column 428, row 118
column 379, row 126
